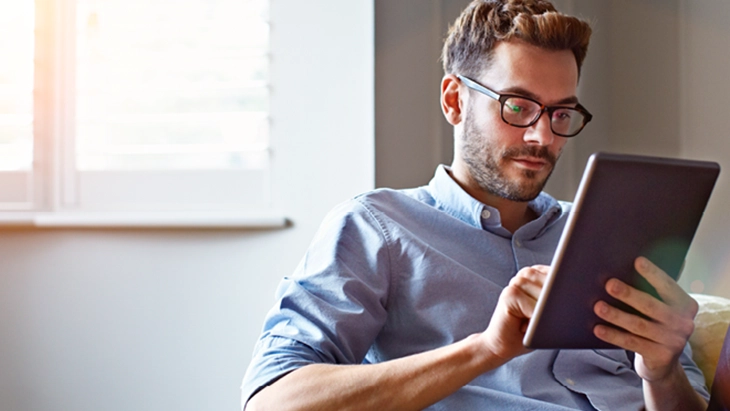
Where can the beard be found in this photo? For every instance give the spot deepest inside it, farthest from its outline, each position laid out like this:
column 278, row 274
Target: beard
column 486, row 163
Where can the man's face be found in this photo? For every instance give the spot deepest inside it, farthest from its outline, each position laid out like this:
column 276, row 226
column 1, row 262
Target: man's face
column 506, row 161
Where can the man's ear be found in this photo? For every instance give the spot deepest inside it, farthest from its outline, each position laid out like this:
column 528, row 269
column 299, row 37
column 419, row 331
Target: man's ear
column 451, row 99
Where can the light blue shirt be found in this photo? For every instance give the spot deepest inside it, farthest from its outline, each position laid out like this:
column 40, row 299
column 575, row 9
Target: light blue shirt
column 396, row 272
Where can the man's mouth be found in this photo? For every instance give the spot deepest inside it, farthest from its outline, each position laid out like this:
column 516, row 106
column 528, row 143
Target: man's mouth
column 531, row 163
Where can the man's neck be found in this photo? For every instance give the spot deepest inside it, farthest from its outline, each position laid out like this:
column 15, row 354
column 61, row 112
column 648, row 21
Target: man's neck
column 513, row 214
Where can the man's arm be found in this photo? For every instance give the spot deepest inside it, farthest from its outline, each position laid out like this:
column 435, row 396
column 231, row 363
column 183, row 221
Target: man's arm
column 412, row 382
column 658, row 341
column 416, row 381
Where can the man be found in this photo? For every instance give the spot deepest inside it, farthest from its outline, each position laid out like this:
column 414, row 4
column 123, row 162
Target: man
column 420, row 298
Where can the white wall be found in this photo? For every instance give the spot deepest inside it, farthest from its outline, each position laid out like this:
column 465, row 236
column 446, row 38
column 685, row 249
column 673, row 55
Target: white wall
column 411, row 134
column 704, row 39
column 166, row 319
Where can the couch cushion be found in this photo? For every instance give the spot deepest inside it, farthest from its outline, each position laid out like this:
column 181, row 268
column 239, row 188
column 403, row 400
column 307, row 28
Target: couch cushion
column 711, row 324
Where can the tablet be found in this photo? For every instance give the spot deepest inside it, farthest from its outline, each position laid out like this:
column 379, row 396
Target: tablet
column 626, row 206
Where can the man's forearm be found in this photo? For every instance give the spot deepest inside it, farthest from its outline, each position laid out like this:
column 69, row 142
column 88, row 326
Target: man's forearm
column 410, row 383
column 673, row 393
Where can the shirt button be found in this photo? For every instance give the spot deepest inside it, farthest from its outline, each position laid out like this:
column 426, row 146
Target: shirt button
column 518, row 243
column 569, row 381
column 486, row 214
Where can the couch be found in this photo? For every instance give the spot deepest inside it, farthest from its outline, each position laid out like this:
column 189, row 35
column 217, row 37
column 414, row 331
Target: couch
column 711, row 331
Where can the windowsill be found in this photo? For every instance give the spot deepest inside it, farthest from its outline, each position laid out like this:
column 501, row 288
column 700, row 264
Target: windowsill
column 134, row 219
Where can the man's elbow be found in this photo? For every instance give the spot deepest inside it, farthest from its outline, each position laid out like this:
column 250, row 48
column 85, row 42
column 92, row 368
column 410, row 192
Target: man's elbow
column 250, row 405
column 256, row 403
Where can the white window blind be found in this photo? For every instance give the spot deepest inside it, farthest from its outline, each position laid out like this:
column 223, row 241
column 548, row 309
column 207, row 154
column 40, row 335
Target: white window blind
column 16, row 90
column 134, row 105
column 16, row 104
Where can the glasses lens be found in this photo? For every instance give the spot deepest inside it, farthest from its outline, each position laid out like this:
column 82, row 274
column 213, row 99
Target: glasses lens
column 566, row 121
column 519, row 111
column 522, row 112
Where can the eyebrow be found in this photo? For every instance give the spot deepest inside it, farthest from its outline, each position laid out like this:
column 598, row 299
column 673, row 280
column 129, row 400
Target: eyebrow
column 526, row 93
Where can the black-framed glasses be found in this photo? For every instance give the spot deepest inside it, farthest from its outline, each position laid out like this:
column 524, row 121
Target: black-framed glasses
column 520, row 111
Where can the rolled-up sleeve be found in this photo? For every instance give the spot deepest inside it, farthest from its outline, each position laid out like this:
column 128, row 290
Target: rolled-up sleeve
column 333, row 306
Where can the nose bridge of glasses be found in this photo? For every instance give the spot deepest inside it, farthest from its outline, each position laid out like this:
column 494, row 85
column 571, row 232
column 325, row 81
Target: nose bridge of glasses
column 540, row 130
column 539, row 113
column 548, row 118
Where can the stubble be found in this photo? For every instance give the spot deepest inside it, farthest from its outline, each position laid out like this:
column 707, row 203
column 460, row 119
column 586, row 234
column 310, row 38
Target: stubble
column 486, row 163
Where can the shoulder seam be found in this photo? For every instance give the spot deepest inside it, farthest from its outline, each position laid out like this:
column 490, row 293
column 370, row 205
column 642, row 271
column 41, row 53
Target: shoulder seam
column 388, row 245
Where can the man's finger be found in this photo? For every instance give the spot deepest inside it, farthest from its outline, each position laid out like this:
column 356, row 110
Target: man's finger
column 668, row 289
column 531, row 280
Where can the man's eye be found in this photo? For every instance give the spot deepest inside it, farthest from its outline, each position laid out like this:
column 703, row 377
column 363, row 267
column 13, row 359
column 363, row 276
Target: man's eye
column 515, row 108
column 562, row 115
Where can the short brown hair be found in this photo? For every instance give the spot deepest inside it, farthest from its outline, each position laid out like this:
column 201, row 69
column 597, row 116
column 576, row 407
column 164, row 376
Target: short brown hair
column 471, row 40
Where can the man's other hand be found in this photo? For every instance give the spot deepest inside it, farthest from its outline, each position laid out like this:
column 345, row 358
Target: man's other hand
column 658, row 339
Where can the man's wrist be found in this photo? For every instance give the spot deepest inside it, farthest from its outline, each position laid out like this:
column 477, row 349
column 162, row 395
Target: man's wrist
column 672, row 392
column 484, row 354
column 672, row 375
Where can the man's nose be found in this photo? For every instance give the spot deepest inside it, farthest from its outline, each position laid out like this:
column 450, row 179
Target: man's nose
column 540, row 133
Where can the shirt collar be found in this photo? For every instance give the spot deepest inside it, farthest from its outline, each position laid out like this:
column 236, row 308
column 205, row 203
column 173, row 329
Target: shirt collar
column 451, row 198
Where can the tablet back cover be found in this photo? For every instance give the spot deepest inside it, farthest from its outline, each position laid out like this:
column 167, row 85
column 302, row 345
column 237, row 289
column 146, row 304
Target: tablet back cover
column 626, row 206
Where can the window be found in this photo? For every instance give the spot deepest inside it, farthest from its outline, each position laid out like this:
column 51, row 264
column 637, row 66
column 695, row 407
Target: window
column 134, row 106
